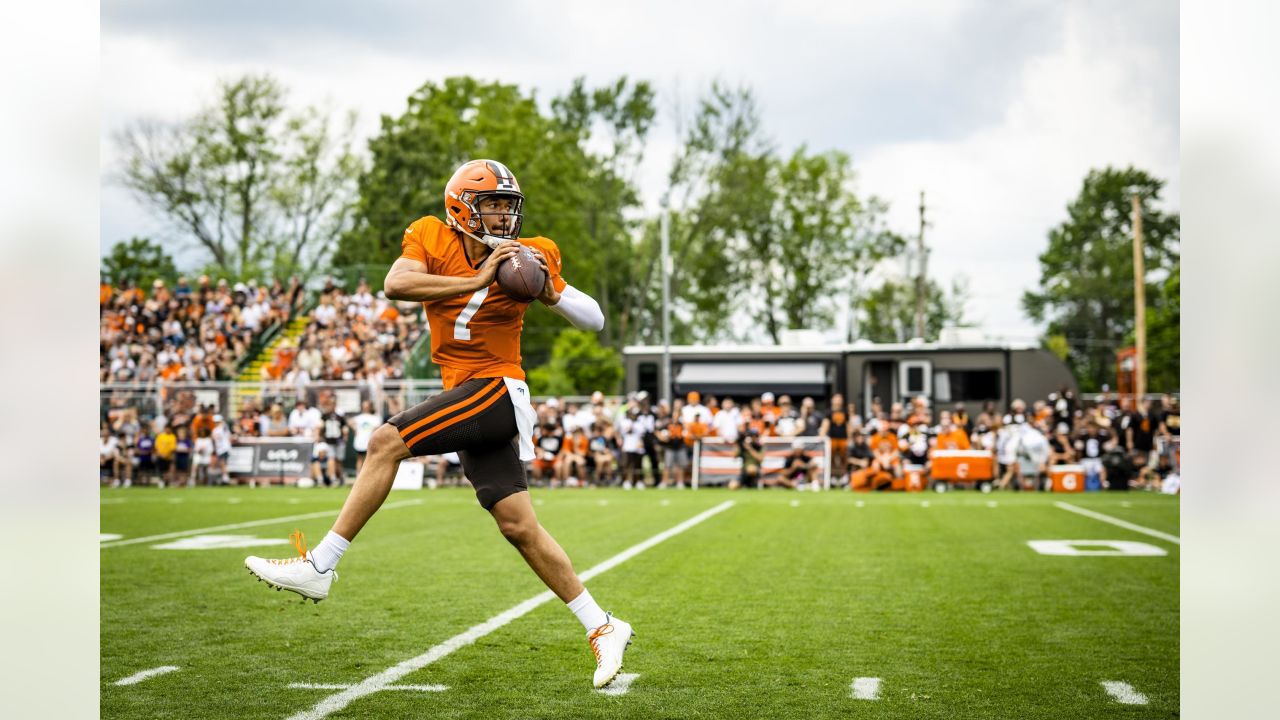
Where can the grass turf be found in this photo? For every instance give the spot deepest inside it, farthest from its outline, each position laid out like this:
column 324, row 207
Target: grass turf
column 769, row 609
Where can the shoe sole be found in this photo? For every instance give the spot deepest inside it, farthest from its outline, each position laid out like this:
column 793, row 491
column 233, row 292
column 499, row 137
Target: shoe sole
column 290, row 588
column 617, row 672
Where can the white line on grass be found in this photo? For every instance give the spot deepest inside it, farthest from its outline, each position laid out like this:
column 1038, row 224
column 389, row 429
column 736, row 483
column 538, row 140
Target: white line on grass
column 342, row 686
column 1118, row 522
column 866, row 688
column 236, row 526
column 138, row 677
column 1124, row 693
column 382, row 680
column 620, row 684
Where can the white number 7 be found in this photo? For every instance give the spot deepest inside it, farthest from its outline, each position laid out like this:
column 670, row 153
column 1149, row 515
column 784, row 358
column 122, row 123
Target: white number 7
column 460, row 329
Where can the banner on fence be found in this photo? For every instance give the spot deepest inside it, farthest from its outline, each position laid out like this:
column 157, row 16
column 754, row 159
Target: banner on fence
column 716, row 461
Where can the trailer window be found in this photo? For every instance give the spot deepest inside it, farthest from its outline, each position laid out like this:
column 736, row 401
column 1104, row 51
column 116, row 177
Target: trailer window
column 962, row 385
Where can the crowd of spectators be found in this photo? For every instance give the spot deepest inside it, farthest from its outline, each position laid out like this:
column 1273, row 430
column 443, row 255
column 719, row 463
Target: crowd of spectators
column 637, row 443
column 185, row 333
column 191, row 446
column 350, row 337
column 634, row 442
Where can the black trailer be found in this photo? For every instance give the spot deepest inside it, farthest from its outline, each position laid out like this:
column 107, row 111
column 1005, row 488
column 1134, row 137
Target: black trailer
column 946, row 373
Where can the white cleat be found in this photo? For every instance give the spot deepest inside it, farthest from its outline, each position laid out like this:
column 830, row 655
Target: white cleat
column 608, row 643
column 296, row 574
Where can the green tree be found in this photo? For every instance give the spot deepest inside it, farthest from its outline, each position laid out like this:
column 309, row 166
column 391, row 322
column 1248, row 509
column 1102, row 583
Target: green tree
column 888, row 313
column 574, row 196
column 579, row 365
column 1086, row 274
column 259, row 188
column 781, row 239
column 1164, row 335
column 138, row 261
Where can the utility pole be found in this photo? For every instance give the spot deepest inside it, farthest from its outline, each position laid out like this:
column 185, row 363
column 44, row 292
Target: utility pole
column 1139, row 307
column 921, row 260
column 664, row 393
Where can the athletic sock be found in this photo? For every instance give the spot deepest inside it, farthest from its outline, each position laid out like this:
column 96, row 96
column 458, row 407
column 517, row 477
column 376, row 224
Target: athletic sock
column 588, row 612
column 326, row 555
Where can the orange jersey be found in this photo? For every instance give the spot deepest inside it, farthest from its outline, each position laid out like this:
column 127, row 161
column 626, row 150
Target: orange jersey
column 473, row 334
column 954, row 440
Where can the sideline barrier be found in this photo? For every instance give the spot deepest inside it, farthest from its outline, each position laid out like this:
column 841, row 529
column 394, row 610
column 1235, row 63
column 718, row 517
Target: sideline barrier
column 716, row 461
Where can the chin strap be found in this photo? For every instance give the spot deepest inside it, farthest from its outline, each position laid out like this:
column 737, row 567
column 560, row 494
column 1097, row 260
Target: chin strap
column 580, row 309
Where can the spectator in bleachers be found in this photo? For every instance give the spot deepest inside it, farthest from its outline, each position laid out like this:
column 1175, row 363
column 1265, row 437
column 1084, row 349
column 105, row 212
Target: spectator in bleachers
column 573, row 457
column 631, row 431
column 810, row 419
column 364, row 424
column 836, row 426
column 548, row 440
column 886, row 462
column 751, row 455
column 798, row 469
column 727, row 422
column 274, row 423
column 603, row 444
column 859, row 460
column 670, row 436
column 950, row 436
column 201, row 458
column 1061, row 450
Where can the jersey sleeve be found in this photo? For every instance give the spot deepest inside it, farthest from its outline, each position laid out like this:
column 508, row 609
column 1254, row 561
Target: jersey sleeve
column 552, row 253
column 411, row 246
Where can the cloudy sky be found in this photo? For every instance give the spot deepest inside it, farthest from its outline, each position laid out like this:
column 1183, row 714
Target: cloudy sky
column 996, row 109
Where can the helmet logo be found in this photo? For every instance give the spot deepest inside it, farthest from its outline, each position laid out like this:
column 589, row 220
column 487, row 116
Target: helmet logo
column 506, row 179
column 472, row 223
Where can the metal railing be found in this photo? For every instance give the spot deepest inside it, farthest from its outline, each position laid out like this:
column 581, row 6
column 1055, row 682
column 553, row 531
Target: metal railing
column 229, row 398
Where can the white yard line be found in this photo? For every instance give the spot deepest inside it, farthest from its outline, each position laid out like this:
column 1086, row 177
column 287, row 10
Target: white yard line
column 1119, row 523
column 138, row 677
column 342, row 686
column 865, row 688
column 236, row 526
column 620, row 684
column 382, row 680
column 1124, row 693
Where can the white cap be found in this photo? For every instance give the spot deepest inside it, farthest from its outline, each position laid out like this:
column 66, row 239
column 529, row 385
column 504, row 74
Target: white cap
column 217, row 418
column 552, row 402
column 767, row 397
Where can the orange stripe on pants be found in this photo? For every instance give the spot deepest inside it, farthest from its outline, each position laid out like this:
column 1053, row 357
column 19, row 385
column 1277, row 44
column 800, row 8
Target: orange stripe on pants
column 451, row 408
column 454, row 421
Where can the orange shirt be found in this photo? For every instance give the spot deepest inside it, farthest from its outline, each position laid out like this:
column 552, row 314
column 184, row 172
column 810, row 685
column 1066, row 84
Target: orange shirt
column 477, row 334
column 694, row 432
column 954, row 440
column 884, row 441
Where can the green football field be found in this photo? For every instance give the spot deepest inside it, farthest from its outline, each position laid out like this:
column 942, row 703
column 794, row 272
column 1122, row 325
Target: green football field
column 781, row 604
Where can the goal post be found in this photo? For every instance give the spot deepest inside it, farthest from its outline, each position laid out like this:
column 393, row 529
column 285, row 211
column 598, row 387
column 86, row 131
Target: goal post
column 716, row 460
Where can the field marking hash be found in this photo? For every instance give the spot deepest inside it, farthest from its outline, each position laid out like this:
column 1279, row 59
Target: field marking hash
column 1124, row 693
column 138, row 677
column 865, row 688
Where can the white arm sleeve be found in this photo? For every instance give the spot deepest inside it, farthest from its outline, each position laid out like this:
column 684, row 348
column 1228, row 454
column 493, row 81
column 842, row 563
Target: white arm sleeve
column 580, row 309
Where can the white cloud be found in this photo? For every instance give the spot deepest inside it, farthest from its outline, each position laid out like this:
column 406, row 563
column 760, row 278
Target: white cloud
column 992, row 196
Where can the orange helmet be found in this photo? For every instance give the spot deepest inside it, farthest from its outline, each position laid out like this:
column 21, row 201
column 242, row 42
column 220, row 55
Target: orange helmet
column 471, row 183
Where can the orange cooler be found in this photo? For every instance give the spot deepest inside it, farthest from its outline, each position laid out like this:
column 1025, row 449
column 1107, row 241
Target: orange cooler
column 1067, row 478
column 962, row 465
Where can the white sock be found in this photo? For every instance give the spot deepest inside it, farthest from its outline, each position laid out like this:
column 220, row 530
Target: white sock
column 326, row 555
column 588, row 612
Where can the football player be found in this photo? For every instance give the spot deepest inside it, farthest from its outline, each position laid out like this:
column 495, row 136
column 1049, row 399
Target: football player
column 484, row 412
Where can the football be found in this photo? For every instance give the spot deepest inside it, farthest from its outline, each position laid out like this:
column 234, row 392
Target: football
column 521, row 276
